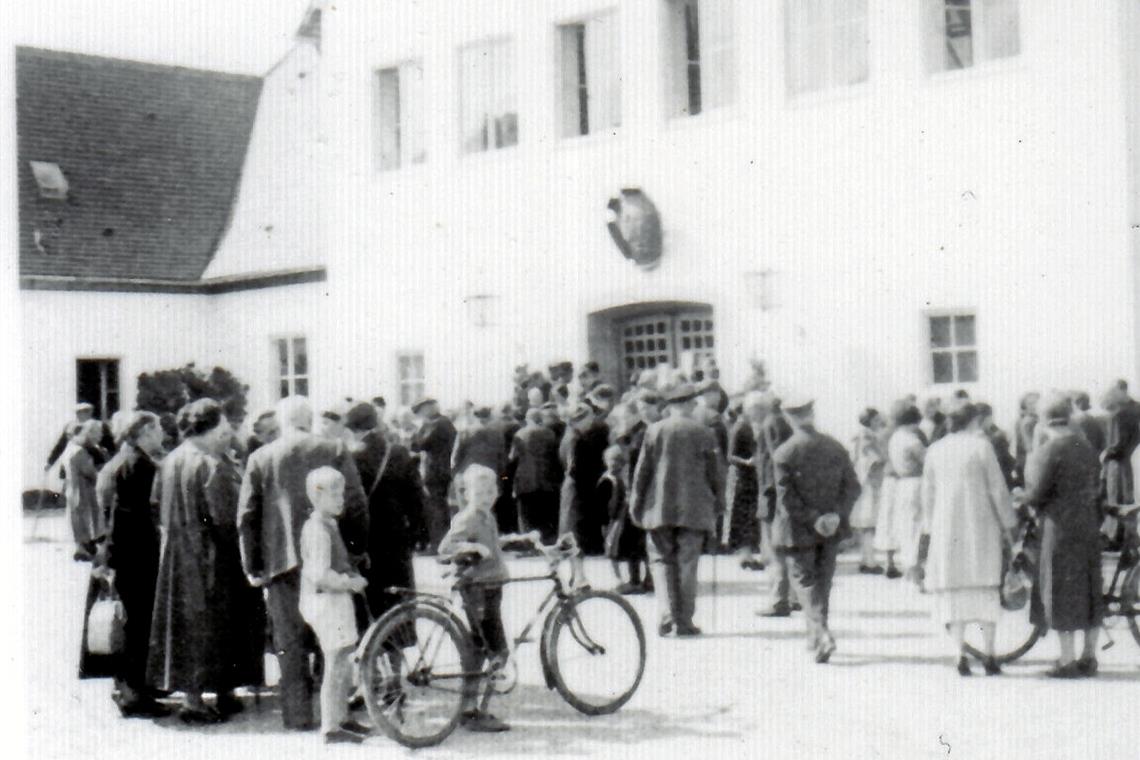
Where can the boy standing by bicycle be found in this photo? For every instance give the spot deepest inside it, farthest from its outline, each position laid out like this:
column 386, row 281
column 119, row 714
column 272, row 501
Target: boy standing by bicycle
column 328, row 582
column 474, row 534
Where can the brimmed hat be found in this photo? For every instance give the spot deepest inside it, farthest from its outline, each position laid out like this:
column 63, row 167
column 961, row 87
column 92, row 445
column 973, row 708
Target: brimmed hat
column 84, row 406
column 416, row 407
column 580, row 413
column 1056, row 407
column 680, row 393
column 361, row 416
column 483, row 412
column 798, row 404
column 649, row 396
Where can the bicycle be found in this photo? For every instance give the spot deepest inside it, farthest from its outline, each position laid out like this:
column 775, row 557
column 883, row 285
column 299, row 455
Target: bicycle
column 419, row 666
column 1016, row 633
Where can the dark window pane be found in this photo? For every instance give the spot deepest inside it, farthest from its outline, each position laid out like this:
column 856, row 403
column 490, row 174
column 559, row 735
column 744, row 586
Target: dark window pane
column 629, row 345
column 943, row 367
column 940, row 332
column 699, row 342
column 661, row 344
column 686, row 344
column 640, row 345
column 709, row 341
column 629, row 362
column 628, row 331
column 300, row 357
column 641, row 362
column 964, row 331
column 284, row 388
column 968, row 366
column 708, row 325
column 663, row 359
column 959, row 35
column 639, row 330
column 652, row 361
column 661, row 327
column 283, row 358
column 302, row 386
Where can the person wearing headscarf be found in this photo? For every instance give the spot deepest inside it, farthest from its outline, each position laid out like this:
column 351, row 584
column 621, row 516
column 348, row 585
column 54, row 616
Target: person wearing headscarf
column 204, row 636
column 130, row 554
column 1062, row 484
column 88, row 522
column 968, row 516
column 868, row 456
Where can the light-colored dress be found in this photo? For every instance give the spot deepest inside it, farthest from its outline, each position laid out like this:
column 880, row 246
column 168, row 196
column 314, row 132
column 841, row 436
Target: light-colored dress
column 88, row 523
column 965, row 508
column 907, row 453
column 869, row 460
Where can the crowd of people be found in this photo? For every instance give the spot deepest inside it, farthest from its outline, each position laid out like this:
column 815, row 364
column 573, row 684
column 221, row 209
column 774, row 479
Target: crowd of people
column 300, row 527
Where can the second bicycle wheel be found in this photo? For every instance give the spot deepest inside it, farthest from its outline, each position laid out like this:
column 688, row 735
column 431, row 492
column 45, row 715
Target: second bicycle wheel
column 1130, row 600
column 417, row 672
column 596, row 651
column 1015, row 636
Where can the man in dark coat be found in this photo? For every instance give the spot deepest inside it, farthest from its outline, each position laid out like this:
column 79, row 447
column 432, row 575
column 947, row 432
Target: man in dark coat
column 434, row 442
column 537, row 475
column 816, row 487
column 581, row 455
column 391, row 482
column 773, row 432
column 506, row 507
column 677, row 497
column 272, row 509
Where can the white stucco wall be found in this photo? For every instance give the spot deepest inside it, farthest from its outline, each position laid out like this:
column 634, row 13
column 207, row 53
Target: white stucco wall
column 978, row 190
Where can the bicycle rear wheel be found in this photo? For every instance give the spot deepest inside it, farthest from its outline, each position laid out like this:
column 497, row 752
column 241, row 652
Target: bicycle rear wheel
column 1130, row 600
column 417, row 671
column 596, row 652
column 1015, row 636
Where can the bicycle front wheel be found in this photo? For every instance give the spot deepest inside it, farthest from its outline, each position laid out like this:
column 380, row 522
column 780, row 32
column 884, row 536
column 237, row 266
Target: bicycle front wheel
column 596, row 651
column 417, row 671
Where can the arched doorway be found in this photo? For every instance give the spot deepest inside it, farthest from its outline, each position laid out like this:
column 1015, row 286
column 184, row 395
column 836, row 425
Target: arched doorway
column 632, row 337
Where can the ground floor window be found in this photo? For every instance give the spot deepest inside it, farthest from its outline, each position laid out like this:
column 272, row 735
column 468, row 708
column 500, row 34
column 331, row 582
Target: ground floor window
column 292, row 366
column 97, row 383
column 411, row 376
column 954, row 348
column 682, row 339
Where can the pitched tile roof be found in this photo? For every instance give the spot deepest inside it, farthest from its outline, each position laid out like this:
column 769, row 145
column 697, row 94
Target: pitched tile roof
column 152, row 156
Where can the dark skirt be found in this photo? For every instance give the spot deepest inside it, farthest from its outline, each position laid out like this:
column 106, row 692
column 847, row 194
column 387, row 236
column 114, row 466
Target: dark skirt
column 1068, row 595
column 580, row 515
column 744, row 496
column 625, row 541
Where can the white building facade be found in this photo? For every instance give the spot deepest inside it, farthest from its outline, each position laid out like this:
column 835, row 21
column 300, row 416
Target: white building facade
column 874, row 198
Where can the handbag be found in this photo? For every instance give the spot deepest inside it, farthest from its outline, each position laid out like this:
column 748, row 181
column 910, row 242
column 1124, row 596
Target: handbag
column 1016, row 583
column 106, row 623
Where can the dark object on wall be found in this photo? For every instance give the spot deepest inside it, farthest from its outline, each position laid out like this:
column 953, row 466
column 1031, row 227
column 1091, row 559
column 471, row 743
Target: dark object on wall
column 636, row 227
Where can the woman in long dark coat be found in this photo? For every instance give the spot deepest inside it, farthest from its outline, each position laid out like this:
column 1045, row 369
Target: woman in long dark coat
column 131, row 551
column 743, row 491
column 391, row 479
column 1062, row 483
column 200, row 625
column 580, row 513
column 1123, row 438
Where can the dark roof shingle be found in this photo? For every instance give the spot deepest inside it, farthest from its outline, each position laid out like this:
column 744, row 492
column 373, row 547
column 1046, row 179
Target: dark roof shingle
column 152, row 155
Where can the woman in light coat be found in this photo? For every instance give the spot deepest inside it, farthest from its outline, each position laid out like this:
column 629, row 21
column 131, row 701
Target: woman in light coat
column 968, row 515
column 88, row 523
column 868, row 457
column 907, row 452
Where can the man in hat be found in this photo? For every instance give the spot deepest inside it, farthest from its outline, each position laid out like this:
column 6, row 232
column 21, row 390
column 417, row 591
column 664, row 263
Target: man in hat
column 100, row 452
column 581, row 456
column 816, row 487
column 677, row 497
column 273, row 506
column 537, row 476
column 601, row 399
column 434, row 441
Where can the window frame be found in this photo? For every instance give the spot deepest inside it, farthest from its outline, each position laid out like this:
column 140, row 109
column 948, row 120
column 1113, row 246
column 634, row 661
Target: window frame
column 979, row 26
column 487, row 42
column 411, row 383
column 829, row 88
column 611, row 13
column 678, row 66
column 374, row 82
column 291, row 377
column 953, row 349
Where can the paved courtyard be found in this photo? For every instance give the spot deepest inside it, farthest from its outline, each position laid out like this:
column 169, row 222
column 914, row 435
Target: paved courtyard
column 745, row 690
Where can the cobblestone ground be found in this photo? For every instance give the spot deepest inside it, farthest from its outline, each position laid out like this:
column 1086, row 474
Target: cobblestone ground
column 747, row 689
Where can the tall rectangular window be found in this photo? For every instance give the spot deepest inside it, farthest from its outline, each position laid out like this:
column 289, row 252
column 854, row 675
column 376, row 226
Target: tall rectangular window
column 825, row 44
column 964, row 33
column 97, row 383
column 953, row 348
column 700, row 59
column 399, row 116
column 590, row 77
column 488, row 113
column 411, row 377
column 292, row 366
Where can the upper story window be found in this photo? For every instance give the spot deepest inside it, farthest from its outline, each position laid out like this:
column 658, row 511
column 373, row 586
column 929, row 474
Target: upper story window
column 964, row 33
column 292, row 366
column 699, row 56
column 825, row 44
column 590, row 76
column 488, row 113
column 411, row 377
column 50, row 180
column 954, row 348
column 399, row 116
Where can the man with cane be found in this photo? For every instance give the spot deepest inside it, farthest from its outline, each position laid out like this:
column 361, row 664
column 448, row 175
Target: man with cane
column 676, row 497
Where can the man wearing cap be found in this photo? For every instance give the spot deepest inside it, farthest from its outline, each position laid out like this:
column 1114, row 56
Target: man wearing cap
column 272, row 508
column 100, row 453
column 676, row 497
column 434, row 441
column 537, row 476
column 816, row 488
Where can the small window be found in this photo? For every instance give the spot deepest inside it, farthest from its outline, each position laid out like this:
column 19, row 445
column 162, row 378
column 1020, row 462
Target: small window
column 292, row 367
column 700, row 60
column 50, row 180
column 825, row 44
column 590, row 94
column 953, row 348
column 488, row 114
column 411, row 377
column 399, row 116
column 963, row 33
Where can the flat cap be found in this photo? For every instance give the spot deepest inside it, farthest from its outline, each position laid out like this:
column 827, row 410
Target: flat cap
column 680, row 393
column 422, row 403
